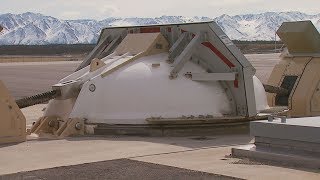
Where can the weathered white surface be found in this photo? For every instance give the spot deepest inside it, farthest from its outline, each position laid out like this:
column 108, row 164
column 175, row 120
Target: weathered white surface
column 60, row 108
column 260, row 95
column 139, row 91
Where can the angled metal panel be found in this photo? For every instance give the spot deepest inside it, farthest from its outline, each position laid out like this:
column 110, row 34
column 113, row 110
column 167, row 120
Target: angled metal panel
column 178, row 46
column 185, row 55
column 213, row 76
column 111, row 47
column 97, row 50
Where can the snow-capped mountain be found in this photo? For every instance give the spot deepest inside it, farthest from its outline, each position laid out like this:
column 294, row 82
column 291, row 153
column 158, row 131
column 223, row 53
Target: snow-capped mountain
column 30, row 28
column 260, row 26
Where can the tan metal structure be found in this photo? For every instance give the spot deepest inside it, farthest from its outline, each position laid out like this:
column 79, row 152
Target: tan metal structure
column 298, row 70
column 13, row 122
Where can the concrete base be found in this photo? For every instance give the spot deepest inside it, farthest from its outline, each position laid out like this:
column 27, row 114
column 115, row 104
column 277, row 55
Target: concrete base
column 297, row 129
column 174, row 130
column 295, row 142
column 278, row 156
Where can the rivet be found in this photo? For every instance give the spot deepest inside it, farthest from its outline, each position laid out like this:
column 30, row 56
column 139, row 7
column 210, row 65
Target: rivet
column 92, row 87
column 78, row 126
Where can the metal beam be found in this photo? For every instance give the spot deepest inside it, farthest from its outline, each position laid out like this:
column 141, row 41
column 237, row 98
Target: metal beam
column 178, row 46
column 97, row 50
column 213, row 76
column 111, row 47
column 185, row 55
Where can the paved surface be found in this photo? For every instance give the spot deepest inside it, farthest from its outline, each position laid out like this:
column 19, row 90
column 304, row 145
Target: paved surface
column 25, row 79
column 185, row 152
column 264, row 64
column 117, row 169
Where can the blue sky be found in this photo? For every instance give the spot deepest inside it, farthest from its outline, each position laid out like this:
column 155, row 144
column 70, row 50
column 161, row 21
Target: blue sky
column 101, row 9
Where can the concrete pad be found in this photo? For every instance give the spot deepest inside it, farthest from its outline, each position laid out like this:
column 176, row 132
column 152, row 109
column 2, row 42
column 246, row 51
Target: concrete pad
column 42, row 154
column 213, row 161
column 206, row 154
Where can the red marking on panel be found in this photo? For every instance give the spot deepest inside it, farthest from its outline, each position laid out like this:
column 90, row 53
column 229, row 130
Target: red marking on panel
column 150, row 30
column 169, row 29
column 183, row 31
column 236, row 82
column 219, row 54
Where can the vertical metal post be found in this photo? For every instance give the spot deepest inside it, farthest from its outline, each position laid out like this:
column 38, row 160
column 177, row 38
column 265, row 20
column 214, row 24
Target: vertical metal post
column 275, row 41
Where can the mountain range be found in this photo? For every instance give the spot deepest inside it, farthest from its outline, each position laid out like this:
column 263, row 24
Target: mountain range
column 38, row 29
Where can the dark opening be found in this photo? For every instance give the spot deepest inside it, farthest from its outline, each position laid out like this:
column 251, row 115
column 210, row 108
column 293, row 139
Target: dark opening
column 287, row 83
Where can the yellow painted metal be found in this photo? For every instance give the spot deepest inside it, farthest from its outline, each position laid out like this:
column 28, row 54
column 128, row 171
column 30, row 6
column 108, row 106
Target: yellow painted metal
column 300, row 37
column 46, row 125
column 275, row 78
column 304, row 99
column 12, row 121
column 139, row 45
column 96, row 64
column 71, row 127
column 55, row 127
column 303, row 43
column 306, row 90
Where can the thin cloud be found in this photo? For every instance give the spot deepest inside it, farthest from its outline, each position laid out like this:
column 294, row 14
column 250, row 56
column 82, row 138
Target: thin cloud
column 101, row 9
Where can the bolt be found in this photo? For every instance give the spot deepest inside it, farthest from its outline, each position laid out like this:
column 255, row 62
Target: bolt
column 78, row 126
column 92, row 87
column 52, row 123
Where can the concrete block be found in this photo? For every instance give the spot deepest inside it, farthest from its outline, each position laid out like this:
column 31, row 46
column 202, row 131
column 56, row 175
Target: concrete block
column 298, row 129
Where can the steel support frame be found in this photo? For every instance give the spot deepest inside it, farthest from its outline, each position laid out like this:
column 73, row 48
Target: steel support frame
column 97, row 50
column 178, row 46
column 111, row 47
column 185, row 55
column 105, row 47
column 211, row 68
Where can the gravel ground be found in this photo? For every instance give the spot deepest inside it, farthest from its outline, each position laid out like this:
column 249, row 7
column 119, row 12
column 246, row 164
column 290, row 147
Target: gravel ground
column 115, row 169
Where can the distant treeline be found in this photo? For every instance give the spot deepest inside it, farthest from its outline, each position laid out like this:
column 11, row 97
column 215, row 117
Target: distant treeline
column 54, row 49
column 73, row 49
